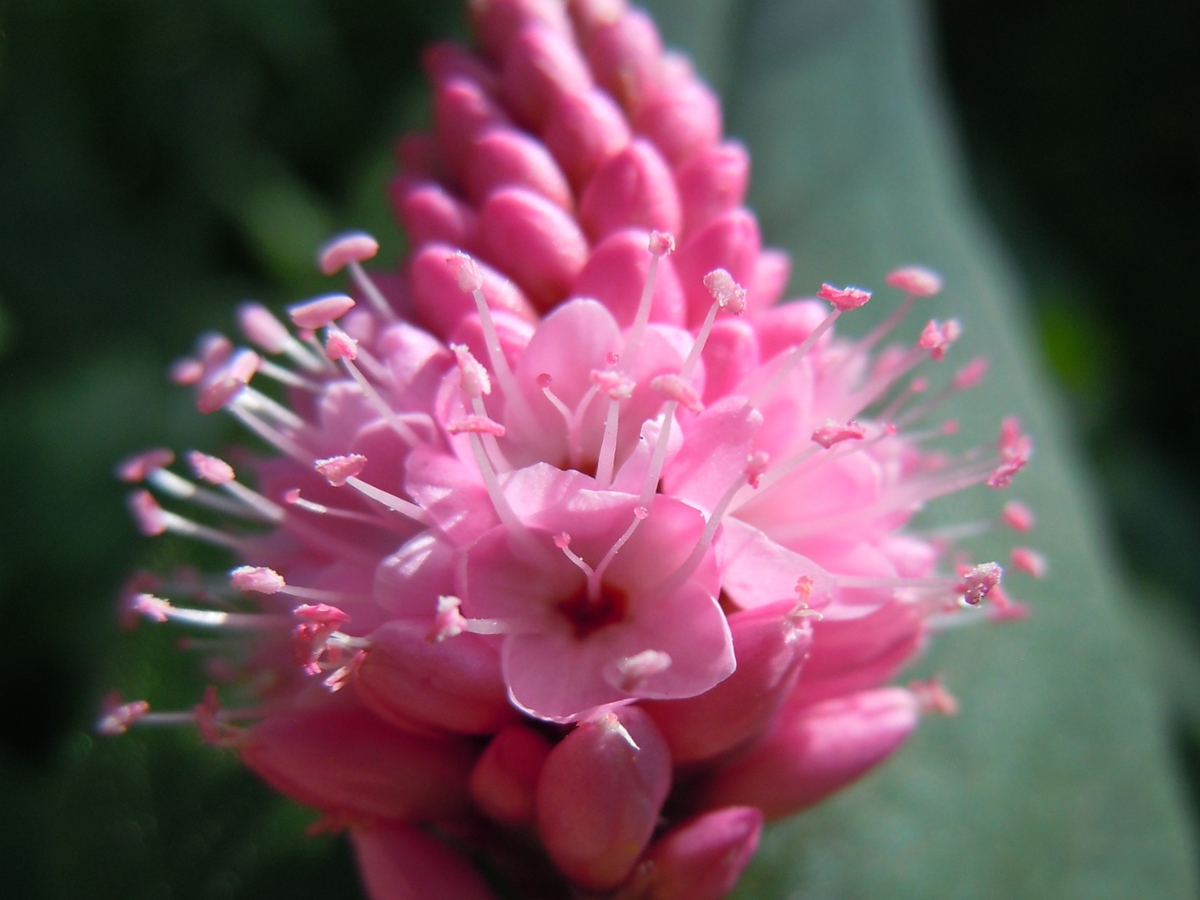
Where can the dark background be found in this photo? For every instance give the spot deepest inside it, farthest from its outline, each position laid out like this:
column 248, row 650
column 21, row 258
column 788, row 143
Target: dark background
column 159, row 162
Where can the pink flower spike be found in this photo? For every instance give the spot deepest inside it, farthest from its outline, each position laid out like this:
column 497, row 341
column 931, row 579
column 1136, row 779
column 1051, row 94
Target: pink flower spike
column 209, row 468
column 1030, row 561
column 150, row 517
column 340, row 469
column 353, row 247
column 339, row 345
column 1018, row 517
column 661, row 243
column 676, row 388
column 834, row 433
column 320, row 312
column 262, row 329
column 702, row 858
column 142, row 465
column 476, row 425
column 916, row 280
column 116, row 716
column 844, row 299
column 978, row 581
column 257, row 580
column 971, row 374
column 726, row 291
column 466, row 272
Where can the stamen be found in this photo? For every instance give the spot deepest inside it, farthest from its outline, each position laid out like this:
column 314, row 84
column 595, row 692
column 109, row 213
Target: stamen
column 834, row 433
column 218, row 472
column 1018, row 517
column 1030, row 561
column 678, row 390
column 270, row 434
column 932, row 697
column 262, row 329
column 977, row 582
column 618, row 387
column 262, row 580
column 937, row 338
column 475, row 424
column 349, row 251
column 156, row 609
column 563, row 542
column 373, row 397
column 343, row 470
column 449, row 621
column 916, row 280
column 594, row 579
column 293, row 498
column 844, row 299
column 316, row 314
column 153, row 520
column 116, row 716
column 660, row 244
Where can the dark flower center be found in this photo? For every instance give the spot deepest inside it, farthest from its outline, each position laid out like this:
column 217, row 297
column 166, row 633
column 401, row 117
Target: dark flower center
column 588, row 616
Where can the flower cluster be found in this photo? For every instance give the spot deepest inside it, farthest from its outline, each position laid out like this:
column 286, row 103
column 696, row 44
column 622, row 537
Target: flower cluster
column 579, row 552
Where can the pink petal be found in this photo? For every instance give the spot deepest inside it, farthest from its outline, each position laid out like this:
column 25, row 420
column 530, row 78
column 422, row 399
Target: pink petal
column 441, row 304
column 730, row 242
column 615, row 275
column 400, row 862
column 714, row 453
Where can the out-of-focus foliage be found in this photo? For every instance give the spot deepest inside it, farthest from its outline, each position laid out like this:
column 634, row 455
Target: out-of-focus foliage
column 161, row 161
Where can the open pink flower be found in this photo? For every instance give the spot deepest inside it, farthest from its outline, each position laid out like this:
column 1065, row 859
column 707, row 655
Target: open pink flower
column 570, row 506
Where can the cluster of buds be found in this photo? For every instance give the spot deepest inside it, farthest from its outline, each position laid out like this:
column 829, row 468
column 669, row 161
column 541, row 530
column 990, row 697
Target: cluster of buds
column 579, row 551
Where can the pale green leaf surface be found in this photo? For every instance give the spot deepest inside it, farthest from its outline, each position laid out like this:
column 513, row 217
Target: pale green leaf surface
column 1055, row 781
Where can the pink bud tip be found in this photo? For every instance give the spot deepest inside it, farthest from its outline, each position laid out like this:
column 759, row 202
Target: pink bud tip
column 661, row 243
column 615, row 384
column 339, row 345
column 149, row 516
column 353, row 247
column 186, row 371
column 340, row 469
column 835, row 432
column 116, row 717
column 1030, row 561
column 979, row 581
column 916, row 280
column 844, row 298
column 1018, row 517
column 476, row 425
column 971, row 374
column 210, row 469
column 475, row 379
column 726, row 291
column 141, row 465
column 261, row 328
column 466, row 272
column 320, row 312
column 257, row 580
column 676, row 388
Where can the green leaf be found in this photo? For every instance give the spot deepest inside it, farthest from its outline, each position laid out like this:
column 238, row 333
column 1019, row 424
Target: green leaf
column 1055, row 780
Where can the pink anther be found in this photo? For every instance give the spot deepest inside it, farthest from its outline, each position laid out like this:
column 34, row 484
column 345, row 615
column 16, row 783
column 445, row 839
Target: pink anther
column 918, row 385
column 937, row 338
column 149, row 516
column 321, row 614
column 466, row 272
column 476, row 425
column 756, row 467
column 116, row 716
column 262, row 329
column 615, row 384
column 726, row 291
column 662, row 243
column 211, row 728
column 353, row 247
column 339, row 469
column 1018, row 517
column 933, row 697
column 950, row 426
column 142, row 465
column 641, row 513
column 339, row 345
column 676, row 388
column 320, row 312
column 562, row 540
column 916, row 280
column 153, row 608
column 970, row 374
column 257, row 580
column 475, row 379
column 612, row 357
column 978, row 581
column 835, row 432
column 1030, row 561
column 844, row 298
column 210, row 468
column 185, row 371
column 449, row 621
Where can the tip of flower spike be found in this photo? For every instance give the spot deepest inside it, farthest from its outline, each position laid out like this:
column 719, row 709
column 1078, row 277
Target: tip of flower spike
column 261, row 328
column 915, row 280
column 209, row 468
column 257, row 580
column 979, row 581
column 466, row 272
column 726, row 291
column 337, row 470
column 150, row 517
column 355, row 246
column 116, row 716
column 322, row 311
column 844, row 298
column 661, row 243
column 339, row 345
column 835, row 432
column 474, row 377
column 1018, row 517
column 142, row 465
column 1030, row 561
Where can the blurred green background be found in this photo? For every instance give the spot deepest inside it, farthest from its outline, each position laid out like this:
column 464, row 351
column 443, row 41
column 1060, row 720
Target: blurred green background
column 161, row 161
